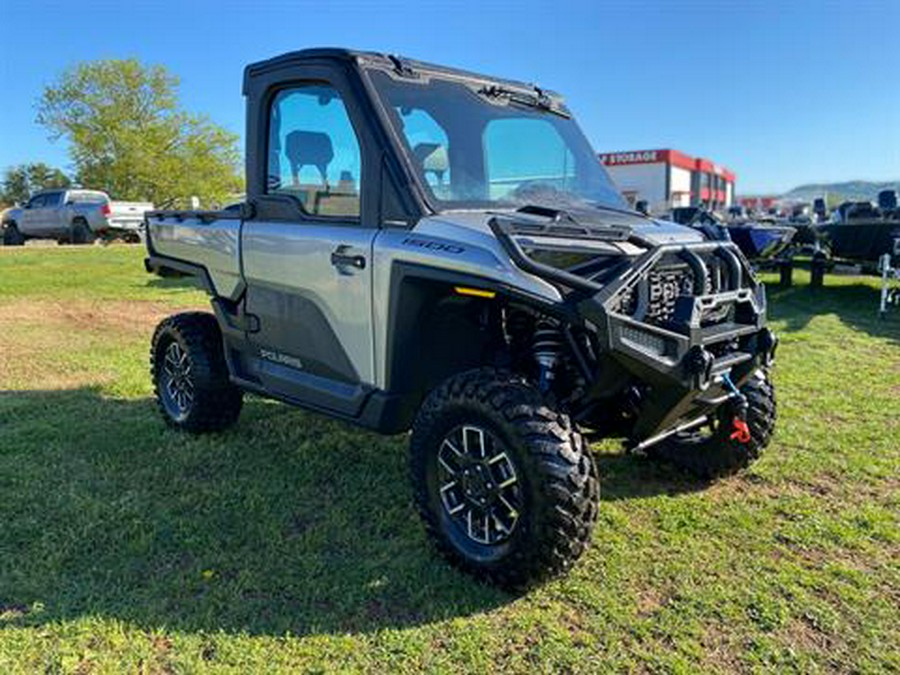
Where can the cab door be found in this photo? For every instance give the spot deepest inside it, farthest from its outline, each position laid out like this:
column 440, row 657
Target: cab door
column 31, row 216
column 307, row 250
column 51, row 214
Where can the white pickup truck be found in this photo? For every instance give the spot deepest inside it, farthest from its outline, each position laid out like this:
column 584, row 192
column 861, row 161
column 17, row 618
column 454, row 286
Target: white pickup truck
column 74, row 216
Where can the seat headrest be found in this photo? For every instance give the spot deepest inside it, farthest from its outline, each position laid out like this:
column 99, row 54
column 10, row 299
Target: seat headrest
column 432, row 156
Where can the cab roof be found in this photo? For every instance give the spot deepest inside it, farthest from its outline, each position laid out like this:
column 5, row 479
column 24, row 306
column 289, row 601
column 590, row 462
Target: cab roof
column 379, row 60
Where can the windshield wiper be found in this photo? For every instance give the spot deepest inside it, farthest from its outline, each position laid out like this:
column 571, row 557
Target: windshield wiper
column 538, row 100
column 566, row 223
column 401, row 67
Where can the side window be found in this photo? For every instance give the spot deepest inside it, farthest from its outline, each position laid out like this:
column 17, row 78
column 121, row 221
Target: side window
column 52, row 199
column 313, row 151
column 36, row 202
column 544, row 163
column 430, row 149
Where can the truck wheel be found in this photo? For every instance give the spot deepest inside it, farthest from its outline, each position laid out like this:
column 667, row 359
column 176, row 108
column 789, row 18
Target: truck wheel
column 710, row 452
column 81, row 233
column 12, row 236
column 505, row 485
column 190, row 377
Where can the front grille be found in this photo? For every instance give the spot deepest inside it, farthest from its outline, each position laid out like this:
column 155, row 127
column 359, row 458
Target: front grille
column 664, row 287
column 653, row 298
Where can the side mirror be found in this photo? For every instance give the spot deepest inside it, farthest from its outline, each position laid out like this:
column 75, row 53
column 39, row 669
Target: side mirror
column 70, row 203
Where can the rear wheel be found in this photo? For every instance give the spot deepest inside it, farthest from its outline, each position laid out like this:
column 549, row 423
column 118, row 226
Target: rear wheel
column 505, row 485
column 711, row 452
column 81, row 232
column 12, row 236
column 190, row 377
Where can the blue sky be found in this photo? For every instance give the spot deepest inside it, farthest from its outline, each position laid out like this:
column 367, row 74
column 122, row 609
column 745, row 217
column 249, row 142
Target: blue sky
column 781, row 92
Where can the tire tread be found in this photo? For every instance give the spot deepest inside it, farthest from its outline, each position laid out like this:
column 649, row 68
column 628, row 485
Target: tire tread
column 566, row 475
column 217, row 402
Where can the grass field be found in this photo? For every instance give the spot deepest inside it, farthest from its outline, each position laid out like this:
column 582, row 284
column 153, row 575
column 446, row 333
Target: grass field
column 290, row 541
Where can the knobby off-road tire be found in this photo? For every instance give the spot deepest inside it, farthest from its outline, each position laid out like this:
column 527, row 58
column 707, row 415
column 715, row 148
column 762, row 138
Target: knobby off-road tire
column 531, row 455
column 713, row 455
column 190, row 378
column 12, row 236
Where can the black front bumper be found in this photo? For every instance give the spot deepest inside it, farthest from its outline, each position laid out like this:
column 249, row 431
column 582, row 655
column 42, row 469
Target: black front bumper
column 712, row 322
column 713, row 333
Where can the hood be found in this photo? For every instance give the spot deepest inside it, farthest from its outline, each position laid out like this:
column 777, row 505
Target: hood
column 473, row 226
column 11, row 214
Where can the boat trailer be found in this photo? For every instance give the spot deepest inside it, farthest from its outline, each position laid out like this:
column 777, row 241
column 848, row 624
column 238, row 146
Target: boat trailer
column 890, row 280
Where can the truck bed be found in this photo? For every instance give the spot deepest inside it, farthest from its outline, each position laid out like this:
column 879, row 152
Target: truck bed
column 127, row 215
column 206, row 240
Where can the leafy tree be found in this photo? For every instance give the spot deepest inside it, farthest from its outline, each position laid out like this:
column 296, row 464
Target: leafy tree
column 129, row 136
column 19, row 182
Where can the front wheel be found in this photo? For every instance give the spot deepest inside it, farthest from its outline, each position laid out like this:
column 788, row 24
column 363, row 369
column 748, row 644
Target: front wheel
column 190, row 376
column 711, row 451
column 12, row 236
column 505, row 485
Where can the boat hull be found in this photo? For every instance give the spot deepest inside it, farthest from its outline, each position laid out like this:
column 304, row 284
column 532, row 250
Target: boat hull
column 864, row 241
column 758, row 241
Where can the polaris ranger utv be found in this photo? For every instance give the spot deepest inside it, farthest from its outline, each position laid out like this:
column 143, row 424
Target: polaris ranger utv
column 432, row 250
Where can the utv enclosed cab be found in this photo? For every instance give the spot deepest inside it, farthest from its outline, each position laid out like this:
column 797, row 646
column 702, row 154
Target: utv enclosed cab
column 427, row 248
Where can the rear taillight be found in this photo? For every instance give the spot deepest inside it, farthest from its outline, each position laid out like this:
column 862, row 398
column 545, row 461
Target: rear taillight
column 105, row 210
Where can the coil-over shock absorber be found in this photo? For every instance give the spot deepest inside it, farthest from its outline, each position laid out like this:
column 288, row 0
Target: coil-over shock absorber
column 546, row 347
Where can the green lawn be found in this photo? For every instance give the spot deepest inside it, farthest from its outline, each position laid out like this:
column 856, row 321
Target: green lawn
column 290, row 542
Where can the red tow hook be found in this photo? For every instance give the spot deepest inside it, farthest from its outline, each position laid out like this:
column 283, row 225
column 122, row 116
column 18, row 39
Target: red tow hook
column 741, row 432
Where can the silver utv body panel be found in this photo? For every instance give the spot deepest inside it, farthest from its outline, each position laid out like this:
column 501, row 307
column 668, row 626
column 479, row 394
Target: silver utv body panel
column 292, row 260
column 213, row 245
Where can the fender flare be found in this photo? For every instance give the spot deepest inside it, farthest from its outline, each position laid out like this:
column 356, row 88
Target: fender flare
column 404, row 308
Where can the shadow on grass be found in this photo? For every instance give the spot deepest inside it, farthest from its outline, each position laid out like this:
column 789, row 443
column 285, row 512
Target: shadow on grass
column 628, row 476
column 290, row 522
column 855, row 304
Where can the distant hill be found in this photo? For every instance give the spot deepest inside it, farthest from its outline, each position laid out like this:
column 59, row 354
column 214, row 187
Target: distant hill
column 848, row 190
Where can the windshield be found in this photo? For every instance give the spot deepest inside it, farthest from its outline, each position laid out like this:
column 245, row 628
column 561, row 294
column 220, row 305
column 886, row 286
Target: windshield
column 490, row 147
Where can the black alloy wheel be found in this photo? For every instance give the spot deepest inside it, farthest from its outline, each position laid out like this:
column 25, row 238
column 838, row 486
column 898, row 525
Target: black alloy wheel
column 177, row 390
column 479, row 485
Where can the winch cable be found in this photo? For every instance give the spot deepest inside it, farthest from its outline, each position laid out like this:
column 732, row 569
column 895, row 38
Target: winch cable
column 741, row 431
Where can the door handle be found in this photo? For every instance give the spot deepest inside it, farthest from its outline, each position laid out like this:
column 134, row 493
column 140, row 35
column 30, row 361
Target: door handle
column 341, row 259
